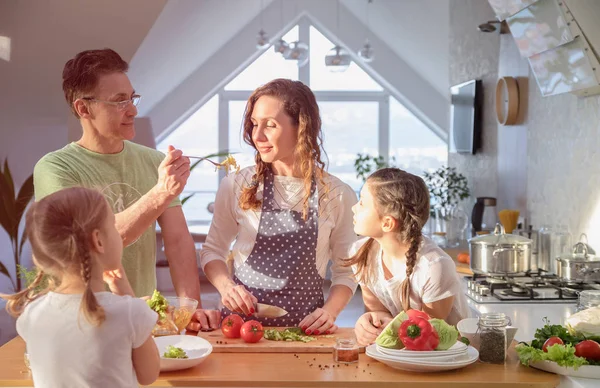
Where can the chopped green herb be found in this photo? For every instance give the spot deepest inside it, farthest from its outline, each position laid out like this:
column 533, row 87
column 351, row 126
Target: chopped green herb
column 174, row 352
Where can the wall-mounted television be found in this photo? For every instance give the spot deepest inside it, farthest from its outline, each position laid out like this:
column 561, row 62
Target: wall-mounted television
column 465, row 117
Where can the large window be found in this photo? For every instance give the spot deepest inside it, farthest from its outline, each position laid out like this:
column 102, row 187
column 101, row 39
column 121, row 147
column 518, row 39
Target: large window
column 358, row 115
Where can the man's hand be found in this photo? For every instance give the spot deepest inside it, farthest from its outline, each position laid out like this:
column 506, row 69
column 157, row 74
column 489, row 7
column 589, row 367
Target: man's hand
column 173, row 173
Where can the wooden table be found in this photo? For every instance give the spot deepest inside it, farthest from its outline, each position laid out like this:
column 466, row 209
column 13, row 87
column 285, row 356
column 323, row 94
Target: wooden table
column 302, row 370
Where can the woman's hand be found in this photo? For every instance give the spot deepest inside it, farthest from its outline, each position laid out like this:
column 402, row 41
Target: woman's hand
column 117, row 281
column 237, row 299
column 369, row 326
column 204, row 320
column 318, row 322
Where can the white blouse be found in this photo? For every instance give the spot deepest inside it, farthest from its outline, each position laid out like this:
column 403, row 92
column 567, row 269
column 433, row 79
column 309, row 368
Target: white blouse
column 336, row 231
column 434, row 278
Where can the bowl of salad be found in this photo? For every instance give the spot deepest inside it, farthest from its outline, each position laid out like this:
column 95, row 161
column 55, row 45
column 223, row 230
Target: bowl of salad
column 181, row 351
column 570, row 350
column 175, row 313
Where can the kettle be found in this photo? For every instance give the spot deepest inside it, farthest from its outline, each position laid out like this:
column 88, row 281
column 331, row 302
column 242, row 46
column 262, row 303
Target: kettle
column 483, row 217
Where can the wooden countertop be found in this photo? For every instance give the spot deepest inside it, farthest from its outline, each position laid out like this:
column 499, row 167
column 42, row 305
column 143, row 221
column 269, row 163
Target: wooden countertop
column 302, row 370
column 461, row 268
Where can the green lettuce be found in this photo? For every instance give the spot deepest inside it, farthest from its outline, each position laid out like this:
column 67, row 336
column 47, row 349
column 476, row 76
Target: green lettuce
column 447, row 333
column 158, row 303
column 289, row 334
column 389, row 336
column 174, row 352
column 563, row 355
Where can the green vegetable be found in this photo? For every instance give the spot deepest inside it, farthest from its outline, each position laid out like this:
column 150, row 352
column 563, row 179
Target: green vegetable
column 563, row 355
column 158, row 303
column 289, row 334
column 465, row 341
column 174, row 352
column 388, row 338
column 547, row 331
column 447, row 333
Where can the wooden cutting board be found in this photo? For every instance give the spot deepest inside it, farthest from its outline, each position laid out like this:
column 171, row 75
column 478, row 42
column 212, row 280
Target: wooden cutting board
column 323, row 344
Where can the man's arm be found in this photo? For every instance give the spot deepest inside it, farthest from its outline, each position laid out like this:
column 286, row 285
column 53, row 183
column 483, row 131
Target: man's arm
column 181, row 253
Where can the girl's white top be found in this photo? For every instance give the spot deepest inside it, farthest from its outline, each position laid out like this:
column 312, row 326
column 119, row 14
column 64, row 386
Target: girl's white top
column 434, row 278
column 65, row 350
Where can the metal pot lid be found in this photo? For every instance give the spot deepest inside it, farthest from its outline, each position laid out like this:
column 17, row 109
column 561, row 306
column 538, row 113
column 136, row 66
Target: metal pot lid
column 499, row 237
column 580, row 254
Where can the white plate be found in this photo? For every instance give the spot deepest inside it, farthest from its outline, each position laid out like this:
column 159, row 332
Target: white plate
column 456, row 349
column 420, row 365
column 196, row 348
column 586, row 371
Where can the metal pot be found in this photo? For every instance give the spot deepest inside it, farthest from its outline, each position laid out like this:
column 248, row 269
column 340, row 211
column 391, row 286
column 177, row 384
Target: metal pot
column 500, row 253
column 579, row 266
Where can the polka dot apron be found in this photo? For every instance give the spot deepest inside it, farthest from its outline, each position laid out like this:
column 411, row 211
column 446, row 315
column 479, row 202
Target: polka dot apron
column 282, row 270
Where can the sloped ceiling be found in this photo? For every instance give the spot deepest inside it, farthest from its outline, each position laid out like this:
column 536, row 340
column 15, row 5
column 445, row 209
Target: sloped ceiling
column 188, row 33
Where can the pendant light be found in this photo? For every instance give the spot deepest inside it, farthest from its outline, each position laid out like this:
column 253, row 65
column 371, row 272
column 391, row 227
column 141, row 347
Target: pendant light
column 262, row 39
column 338, row 59
column 281, row 46
column 366, row 52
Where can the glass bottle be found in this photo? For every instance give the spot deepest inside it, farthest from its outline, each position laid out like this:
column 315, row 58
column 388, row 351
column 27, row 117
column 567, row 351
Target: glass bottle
column 587, row 299
column 492, row 333
column 345, row 350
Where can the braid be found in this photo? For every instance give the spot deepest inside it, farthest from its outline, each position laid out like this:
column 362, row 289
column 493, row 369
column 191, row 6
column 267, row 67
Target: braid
column 17, row 302
column 248, row 199
column 415, row 238
column 90, row 307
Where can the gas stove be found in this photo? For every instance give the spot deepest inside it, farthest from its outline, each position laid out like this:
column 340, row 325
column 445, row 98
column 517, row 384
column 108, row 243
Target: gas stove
column 524, row 288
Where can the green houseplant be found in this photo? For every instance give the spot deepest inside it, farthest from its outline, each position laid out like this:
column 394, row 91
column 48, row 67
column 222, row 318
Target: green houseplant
column 12, row 208
column 365, row 164
column 447, row 188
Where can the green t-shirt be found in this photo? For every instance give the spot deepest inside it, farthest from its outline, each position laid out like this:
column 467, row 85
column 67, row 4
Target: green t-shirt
column 123, row 178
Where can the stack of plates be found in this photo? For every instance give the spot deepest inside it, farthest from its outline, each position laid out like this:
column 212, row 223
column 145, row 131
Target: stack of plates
column 458, row 356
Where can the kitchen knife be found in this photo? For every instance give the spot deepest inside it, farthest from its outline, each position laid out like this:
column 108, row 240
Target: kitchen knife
column 268, row 311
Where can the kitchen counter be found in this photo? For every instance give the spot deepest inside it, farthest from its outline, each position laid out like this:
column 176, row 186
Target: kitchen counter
column 302, row 370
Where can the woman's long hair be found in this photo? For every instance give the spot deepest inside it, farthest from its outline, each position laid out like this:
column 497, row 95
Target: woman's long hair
column 300, row 104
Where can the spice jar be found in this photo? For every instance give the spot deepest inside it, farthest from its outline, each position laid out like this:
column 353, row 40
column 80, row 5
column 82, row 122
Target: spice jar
column 587, row 299
column 345, row 350
column 492, row 333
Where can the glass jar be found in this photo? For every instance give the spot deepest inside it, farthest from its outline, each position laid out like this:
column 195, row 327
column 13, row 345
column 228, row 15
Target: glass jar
column 587, row 299
column 492, row 333
column 345, row 350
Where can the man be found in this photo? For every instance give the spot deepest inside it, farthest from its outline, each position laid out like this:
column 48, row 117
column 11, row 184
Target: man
column 141, row 184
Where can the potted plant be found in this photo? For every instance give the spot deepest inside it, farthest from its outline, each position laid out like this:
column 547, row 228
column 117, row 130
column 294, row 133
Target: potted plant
column 365, row 164
column 447, row 188
column 12, row 208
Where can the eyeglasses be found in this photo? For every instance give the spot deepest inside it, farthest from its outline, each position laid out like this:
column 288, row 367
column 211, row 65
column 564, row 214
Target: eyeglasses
column 121, row 105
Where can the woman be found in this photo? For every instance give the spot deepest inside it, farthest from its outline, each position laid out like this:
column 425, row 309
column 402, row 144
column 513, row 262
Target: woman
column 288, row 218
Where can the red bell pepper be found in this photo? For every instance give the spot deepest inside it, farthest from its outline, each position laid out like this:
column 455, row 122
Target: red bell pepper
column 418, row 334
column 417, row 314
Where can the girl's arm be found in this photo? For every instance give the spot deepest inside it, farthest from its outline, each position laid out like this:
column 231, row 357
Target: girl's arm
column 439, row 309
column 146, row 362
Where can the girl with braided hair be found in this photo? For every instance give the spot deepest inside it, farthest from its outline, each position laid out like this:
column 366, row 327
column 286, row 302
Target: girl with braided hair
column 77, row 333
column 397, row 267
column 288, row 217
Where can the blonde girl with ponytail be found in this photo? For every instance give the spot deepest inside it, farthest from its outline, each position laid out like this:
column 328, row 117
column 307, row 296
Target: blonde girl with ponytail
column 397, row 267
column 77, row 333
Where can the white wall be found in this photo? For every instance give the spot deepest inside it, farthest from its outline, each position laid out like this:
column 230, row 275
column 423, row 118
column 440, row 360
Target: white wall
column 44, row 35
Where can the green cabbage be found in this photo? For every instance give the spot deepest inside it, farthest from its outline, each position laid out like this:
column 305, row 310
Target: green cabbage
column 447, row 333
column 389, row 336
column 585, row 323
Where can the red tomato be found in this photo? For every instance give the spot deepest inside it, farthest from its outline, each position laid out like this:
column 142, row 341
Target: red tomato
column 588, row 349
column 231, row 326
column 252, row 331
column 552, row 341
